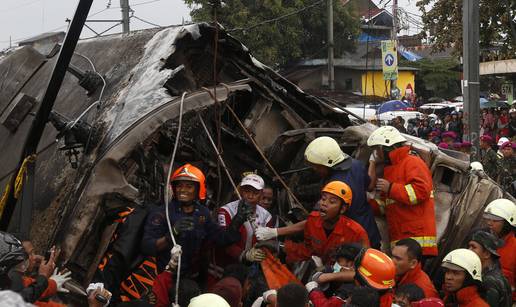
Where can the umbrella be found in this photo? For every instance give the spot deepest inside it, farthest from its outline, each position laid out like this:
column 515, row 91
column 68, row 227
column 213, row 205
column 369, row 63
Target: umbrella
column 392, row 105
column 485, row 104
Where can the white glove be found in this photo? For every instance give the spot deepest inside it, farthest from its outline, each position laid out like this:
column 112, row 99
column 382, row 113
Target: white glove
column 60, row 279
column 317, row 261
column 268, row 293
column 99, row 285
column 311, row 285
column 254, row 255
column 258, row 302
column 266, row 233
column 175, row 253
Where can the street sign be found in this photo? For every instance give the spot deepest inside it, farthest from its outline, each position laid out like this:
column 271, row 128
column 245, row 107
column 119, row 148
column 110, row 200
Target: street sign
column 508, row 90
column 390, row 60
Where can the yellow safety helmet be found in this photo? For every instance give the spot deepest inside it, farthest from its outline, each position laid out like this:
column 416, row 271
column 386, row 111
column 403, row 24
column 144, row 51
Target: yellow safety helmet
column 501, row 209
column 326, row 151
column 385, row 136
column 465, row 260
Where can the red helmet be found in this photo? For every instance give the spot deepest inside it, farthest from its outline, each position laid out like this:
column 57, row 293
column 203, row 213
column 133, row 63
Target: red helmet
column 189, row 172
column 375, row 268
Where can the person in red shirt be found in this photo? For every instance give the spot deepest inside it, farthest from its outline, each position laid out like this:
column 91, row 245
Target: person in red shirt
column 406, row 190
column 462, row 278
column 406, row 255
column 500, row 217
column 328, row 228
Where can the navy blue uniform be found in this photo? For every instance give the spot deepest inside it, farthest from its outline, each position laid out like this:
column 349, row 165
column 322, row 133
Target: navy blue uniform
column 191, row 242
column 360, row 211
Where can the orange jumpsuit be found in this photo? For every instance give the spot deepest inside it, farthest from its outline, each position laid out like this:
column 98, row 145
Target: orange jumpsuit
column 409, row 203
column 317, row 243
column 508, row 261
column 466, row 297
column 418, row 277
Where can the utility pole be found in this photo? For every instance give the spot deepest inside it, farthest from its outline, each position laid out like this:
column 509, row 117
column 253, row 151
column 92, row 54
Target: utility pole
column 124, row 5
column 471, row 84
column 394, row 35
column 331, row 68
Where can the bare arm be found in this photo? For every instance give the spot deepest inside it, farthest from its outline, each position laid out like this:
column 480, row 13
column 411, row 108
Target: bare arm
column 292, row 229
column 343, row 276
column 372, row 174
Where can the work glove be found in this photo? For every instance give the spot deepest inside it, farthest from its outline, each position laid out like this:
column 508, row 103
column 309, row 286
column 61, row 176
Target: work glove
column 60, row 279
column 272, row 245
column 105, row 293
column 243, row 214
column 183, row 225
column 266, row 233
column 254, row 255
column 175, row 253
column 318, row 262
column 311, row 286
column 267, row 294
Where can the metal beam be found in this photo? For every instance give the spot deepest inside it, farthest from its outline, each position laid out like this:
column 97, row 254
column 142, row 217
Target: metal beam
column 54, row 84
column 471, row 85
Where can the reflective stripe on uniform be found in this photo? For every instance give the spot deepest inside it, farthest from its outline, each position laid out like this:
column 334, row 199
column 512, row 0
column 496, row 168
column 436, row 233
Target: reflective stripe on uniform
column 411, row 194
column 423, row 241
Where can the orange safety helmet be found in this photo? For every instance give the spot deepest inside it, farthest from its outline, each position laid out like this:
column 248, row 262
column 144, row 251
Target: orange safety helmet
column 375, row 268
column 189, row 172
column 339, row 189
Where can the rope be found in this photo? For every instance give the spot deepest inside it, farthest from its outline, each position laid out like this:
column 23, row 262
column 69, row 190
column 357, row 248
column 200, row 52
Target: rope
column 18, row 183
column 171, row 165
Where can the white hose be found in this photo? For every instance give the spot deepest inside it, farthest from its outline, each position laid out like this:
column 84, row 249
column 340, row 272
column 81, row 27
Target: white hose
column 171, row 165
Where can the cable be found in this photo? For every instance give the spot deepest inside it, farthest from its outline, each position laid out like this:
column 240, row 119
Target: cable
column 147, row 22
column 19, row 6
column 278, row 18
column 171, row 165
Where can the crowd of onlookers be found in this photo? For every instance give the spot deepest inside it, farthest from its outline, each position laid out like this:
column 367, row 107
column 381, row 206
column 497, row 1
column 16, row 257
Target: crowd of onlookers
column 497, row 134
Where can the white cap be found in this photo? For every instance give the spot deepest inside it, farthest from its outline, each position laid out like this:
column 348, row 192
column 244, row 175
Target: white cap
column 253, row 180
column 502, row 140
column 208, row 300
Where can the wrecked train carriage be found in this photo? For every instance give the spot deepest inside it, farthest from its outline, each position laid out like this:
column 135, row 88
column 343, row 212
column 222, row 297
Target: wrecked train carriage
column 129, row 139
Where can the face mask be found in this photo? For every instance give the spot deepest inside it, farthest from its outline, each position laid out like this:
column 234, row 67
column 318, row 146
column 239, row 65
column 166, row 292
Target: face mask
column 336, row 267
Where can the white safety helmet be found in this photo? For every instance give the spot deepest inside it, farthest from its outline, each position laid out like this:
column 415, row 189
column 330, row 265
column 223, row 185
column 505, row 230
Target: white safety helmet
column 476, row 166
column 502, row 140
column 326, row 151
column 466, row 260
column 208, row 299
column 385, row 136
column 501, row 209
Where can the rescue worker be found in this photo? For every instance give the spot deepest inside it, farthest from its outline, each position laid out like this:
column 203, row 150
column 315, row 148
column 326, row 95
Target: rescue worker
column 507, row 173
column 500, row 216
column 462, row 279
column 488, row 156
column 326, row 229
column 406, row 255
column 251, row 190
column 497, row 291
column 406, row 191
column 377, row 271
column 191, row 223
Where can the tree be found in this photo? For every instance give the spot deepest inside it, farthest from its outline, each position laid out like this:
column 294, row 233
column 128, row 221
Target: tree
column 443, row 26
column 301, row 35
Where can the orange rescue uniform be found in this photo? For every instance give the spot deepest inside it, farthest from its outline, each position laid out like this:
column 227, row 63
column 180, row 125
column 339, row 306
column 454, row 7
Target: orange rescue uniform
column 409, row 203
column 465, row 297
column 418, row 277
column 317, row 243
column 508, row 261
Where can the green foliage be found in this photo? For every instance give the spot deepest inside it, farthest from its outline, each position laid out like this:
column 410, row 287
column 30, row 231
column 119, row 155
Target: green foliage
column 443, row 22
column 436, row 78
column 296, row 37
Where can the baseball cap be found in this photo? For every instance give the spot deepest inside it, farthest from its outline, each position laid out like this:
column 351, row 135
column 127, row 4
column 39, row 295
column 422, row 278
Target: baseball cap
column 253, row 180
column 502, row 141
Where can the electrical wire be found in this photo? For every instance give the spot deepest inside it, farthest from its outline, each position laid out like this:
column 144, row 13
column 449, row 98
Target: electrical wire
column 19, row 6
column 278, row 18
column 171, row 165
column 147, row 22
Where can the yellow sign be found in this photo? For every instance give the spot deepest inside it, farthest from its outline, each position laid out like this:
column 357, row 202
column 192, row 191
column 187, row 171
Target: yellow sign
column 389, row 60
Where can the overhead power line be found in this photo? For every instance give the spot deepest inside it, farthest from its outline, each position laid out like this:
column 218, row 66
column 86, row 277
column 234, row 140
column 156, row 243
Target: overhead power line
column 147, row 22
column 278, row 18
column 19, row 6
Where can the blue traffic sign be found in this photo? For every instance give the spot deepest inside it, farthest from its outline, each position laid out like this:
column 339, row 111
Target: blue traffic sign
column 389, row 60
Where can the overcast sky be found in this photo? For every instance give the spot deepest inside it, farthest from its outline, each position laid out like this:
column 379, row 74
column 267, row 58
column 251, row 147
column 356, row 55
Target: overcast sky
column 21, row 19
